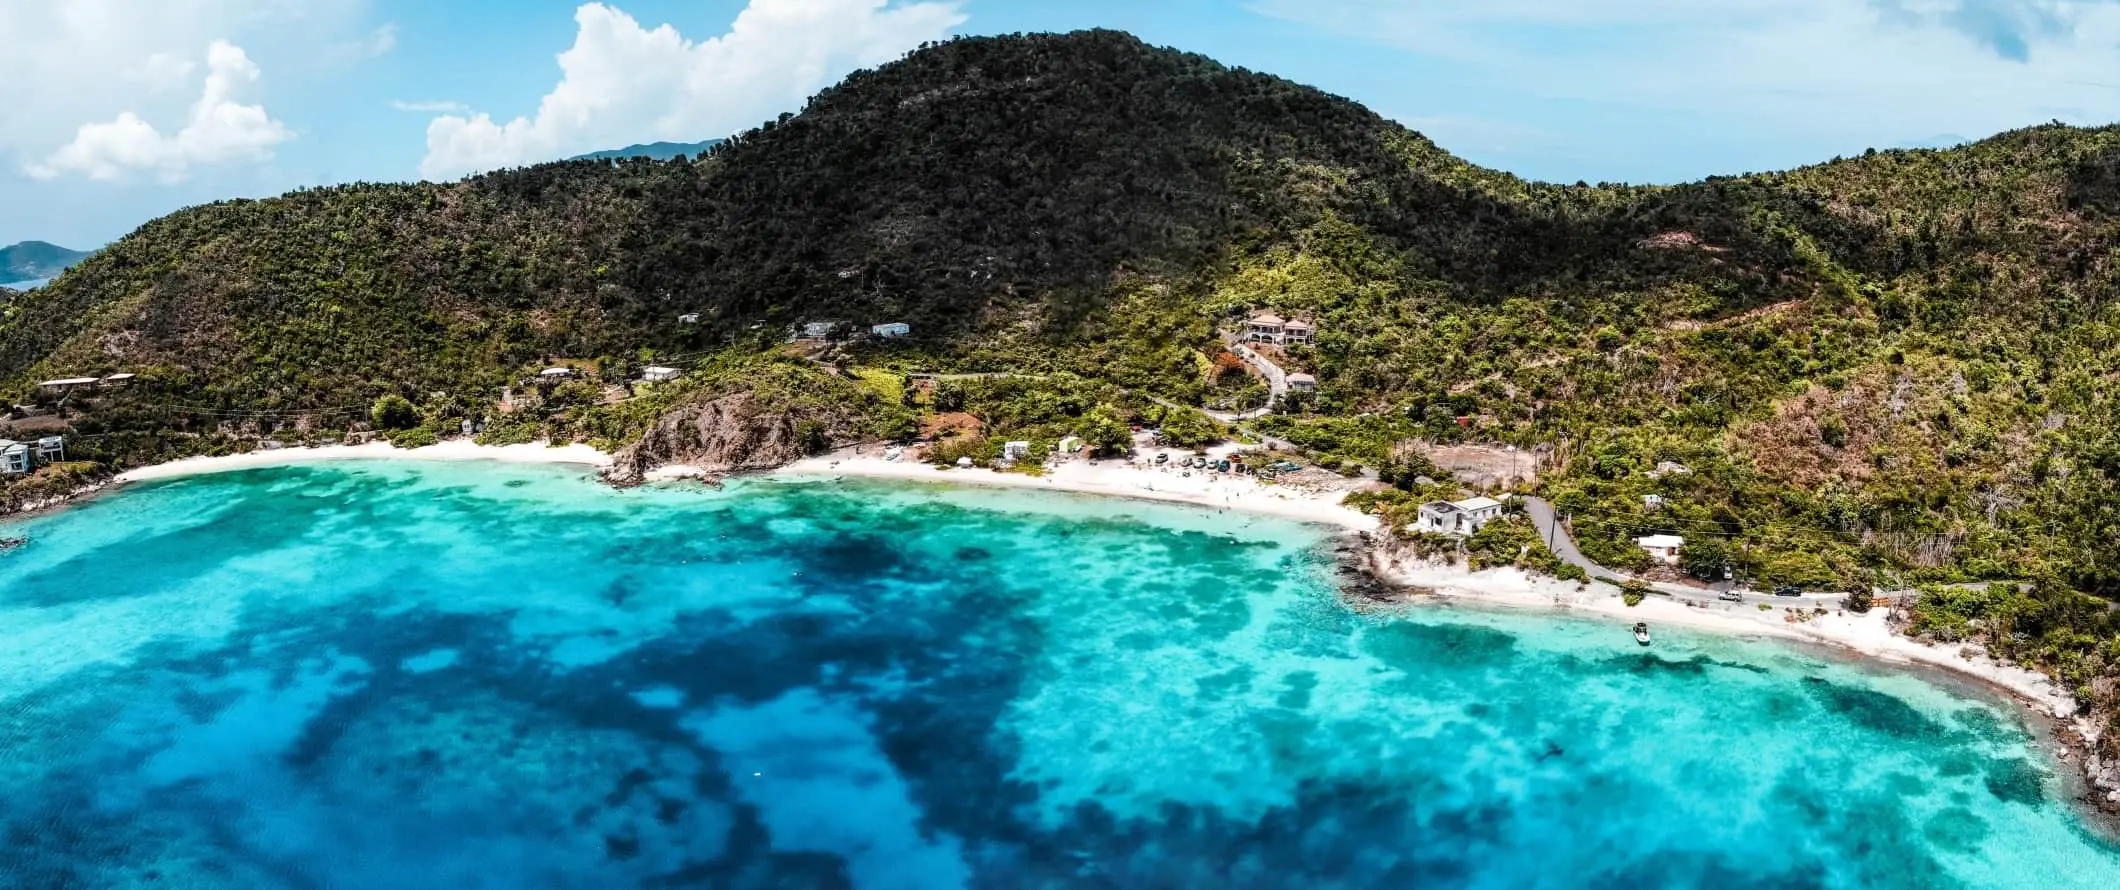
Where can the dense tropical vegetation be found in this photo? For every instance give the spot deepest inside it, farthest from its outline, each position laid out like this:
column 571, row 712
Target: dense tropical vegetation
column 1894, row 369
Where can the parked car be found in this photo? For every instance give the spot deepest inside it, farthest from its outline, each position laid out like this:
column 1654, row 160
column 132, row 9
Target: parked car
column 1731, row 596
column 1788, row 591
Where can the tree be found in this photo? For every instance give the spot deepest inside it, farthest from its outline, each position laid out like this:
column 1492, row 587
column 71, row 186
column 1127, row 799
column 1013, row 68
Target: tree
column 1105, row 429
column 1860, row 599
column 1705, row 558
column 394, row 412
column 1187, row 428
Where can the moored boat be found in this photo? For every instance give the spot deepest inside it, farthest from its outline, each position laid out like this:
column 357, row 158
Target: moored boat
column 1641, row 632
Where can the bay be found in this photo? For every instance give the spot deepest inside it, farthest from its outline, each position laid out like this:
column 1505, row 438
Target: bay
column 400, row 674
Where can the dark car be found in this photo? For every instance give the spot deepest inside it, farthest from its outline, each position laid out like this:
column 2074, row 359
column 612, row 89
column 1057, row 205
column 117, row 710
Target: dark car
column 1788, row 591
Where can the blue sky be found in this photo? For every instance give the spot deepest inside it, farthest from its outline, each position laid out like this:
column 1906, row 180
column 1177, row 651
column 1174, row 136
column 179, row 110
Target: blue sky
column 122, row 110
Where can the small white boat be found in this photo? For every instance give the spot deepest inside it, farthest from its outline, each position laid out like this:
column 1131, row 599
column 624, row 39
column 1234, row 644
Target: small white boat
column 1641, row 632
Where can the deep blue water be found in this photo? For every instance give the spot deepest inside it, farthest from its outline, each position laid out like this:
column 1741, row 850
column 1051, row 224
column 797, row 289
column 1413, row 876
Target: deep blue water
column 386, row 675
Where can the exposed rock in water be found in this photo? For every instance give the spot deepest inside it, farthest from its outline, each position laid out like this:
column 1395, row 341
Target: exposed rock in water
column 729, row 433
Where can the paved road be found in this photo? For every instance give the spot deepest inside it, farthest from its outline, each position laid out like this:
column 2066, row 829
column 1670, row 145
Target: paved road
column 1562, row 542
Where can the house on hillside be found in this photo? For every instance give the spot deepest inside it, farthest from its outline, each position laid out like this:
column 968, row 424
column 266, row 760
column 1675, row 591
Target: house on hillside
column 14, row 457
column 688, row 318
column 1015, row 451
column 51, row 449
column 117, row 380
column 1302, row 383
column 818, row 330
column 892, row 329
column 1458, row 517
column 557, row 373
column 1267, row 327
column 1662, row 548
column 68, row 384
column 659, row 374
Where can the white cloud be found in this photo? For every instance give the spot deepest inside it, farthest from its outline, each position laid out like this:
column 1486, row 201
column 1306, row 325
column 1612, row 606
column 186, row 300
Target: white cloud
column 623, row 84
column 1840, row 72
column 220, row 129
column 380, row 41
column 430, row 107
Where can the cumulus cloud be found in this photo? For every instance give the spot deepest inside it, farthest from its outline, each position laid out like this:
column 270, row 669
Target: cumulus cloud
column 1832, row 71
column 622, row 83
column 220, row 129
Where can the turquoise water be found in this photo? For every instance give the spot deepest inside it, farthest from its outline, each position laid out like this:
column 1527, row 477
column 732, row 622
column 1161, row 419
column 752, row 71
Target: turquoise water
column 387, row 675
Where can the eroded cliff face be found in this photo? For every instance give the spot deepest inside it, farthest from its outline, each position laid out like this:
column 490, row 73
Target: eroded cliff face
column 726, row 434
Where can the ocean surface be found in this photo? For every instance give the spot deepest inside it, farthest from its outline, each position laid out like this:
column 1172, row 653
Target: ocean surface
column 30, row 284
column 402, row 675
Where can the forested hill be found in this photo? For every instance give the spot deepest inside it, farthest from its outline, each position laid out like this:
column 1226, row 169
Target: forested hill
column 1906, row 355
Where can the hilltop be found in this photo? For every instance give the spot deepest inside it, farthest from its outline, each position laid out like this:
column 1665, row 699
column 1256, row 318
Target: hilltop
column 36, row 259
column 1895, row 367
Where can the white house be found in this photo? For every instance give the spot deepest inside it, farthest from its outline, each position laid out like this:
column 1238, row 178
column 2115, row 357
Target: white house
column 51, row 449
column 659, row 374
column 1014, row 451
column 1302, row 383
column 1662, row 548
column 1267, row 327
column 14, row 457
column 688, row 318
column 1071, row 444
column 819, row 330
column 892, row 329
column 556, row 373
column 1458, row 517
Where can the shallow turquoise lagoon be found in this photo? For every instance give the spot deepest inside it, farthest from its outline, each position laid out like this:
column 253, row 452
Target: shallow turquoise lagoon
column 389, row 675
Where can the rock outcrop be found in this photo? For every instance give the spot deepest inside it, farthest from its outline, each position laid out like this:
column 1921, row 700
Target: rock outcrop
column 726, row 434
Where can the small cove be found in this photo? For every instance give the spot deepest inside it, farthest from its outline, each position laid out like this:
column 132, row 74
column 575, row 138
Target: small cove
column 485, row 675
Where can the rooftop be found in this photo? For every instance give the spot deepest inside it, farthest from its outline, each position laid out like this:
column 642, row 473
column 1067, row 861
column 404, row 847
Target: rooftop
column 1661, row 542
column 1268, row 318
column 70, row 381
column 1298, row 323
column 1470, row 504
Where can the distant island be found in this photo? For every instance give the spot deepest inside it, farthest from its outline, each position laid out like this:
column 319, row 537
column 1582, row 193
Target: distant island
column 34, row 261
column 659, row 151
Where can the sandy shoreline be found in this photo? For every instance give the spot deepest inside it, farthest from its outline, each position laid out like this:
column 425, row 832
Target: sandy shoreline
column 453, row 450
column 1110, row 478
column 1865, row 634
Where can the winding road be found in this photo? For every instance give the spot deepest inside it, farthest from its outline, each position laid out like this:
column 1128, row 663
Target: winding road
column 1562, row 542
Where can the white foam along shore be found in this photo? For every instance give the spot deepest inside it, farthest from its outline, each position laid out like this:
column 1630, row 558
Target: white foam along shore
column 1865, row 634
column 453, row 450
column 1111, row 478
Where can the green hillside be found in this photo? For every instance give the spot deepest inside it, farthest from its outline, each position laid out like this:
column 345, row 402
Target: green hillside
column 1897, row 367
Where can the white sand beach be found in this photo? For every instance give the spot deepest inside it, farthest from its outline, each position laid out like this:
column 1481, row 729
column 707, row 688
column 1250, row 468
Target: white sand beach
column 453, row 450
column 1108, row 477
column 1865, row 634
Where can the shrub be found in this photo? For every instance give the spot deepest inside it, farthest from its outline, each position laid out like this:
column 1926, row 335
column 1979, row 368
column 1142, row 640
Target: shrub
column 1633, row 592
column 394, row 412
